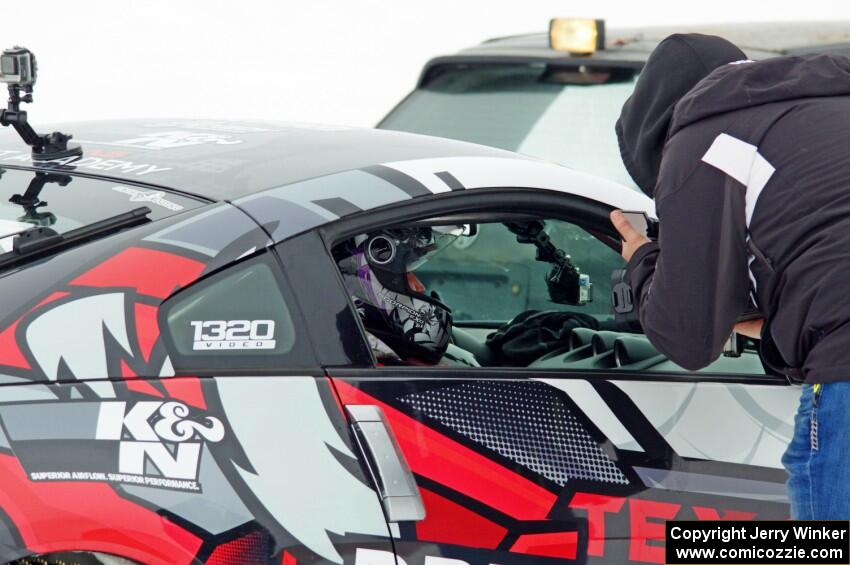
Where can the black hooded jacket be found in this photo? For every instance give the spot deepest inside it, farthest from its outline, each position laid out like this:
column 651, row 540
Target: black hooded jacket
column 753, row 197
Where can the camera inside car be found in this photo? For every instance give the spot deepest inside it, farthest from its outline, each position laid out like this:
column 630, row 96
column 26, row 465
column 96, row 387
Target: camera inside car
column 566, row 285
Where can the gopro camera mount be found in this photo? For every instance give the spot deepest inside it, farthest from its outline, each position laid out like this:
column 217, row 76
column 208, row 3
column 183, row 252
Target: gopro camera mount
column 626, row 316
column 31, row 200
column 18, row 69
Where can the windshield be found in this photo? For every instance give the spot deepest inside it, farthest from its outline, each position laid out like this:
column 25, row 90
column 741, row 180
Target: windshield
column 525, row 108
column 64, row 203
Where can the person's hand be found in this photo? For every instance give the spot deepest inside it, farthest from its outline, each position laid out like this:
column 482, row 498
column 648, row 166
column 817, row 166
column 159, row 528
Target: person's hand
column 750, row 328
column 632, row 239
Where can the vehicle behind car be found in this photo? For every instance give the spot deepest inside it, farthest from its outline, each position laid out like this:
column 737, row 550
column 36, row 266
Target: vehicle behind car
column 521, row 94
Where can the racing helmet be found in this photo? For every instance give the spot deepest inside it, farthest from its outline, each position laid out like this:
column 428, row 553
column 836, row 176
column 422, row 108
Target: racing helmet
column 377, row 269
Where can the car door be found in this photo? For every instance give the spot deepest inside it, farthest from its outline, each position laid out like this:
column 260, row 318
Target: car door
column 581, row 455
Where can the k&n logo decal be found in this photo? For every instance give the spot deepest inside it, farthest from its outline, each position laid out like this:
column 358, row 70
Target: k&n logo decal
column 150, row 443
column 149, row 426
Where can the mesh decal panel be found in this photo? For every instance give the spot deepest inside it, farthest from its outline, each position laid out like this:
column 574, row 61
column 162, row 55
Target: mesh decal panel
column 252, row 549
column 527, row 422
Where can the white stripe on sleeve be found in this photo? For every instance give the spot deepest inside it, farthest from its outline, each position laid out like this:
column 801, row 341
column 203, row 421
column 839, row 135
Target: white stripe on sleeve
column 741, row 161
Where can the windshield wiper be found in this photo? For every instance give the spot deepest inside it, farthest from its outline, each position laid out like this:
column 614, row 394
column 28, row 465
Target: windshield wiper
column 38, row 241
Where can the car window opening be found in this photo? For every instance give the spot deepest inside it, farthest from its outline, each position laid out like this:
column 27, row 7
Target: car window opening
column 484, row 296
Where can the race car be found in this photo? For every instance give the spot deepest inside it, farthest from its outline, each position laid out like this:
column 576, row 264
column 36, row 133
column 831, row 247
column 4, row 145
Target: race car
column 246, row 343
column 227, row 354
column 557, row 95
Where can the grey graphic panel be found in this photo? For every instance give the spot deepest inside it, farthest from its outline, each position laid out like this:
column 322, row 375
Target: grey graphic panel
column 70, row 457
column 217, row 510
column 9, row 545
column 584, row 396
column 208, row 232
column 26, row 393
column 10, row 379
column 282, row 218
column 359, row 189
column 450, row 180
column 72, row 420
column 407, row 183
column 527, row 422
column 733, row 423
column 712, row 484
column 339, row 206
column 73, row 335
column 292, row 444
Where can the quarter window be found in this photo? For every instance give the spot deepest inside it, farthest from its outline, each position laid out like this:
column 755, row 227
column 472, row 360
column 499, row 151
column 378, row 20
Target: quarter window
column 236, row 319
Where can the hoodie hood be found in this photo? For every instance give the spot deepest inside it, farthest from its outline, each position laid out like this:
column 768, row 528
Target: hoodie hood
column 671, row 71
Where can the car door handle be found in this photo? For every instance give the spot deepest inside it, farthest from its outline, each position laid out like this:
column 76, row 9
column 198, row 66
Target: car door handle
column 396, row 484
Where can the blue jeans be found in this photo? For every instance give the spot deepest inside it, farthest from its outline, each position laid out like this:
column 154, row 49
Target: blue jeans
column 818, row 457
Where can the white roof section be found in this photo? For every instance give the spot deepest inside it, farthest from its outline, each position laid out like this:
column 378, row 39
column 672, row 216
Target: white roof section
column 498, row 172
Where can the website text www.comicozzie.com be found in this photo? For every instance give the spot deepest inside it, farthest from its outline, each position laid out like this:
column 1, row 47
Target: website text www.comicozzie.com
column 766, row 542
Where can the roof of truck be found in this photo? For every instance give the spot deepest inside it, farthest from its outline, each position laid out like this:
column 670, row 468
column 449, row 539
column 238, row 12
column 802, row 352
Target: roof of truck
column 631, row 46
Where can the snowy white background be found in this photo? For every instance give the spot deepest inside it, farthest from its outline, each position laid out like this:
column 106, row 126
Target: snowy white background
column 330, row 61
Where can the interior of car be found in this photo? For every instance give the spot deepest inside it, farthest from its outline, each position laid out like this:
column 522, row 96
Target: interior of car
column 526, row 290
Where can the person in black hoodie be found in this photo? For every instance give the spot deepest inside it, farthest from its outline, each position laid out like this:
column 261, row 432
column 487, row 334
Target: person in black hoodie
column 749, row 166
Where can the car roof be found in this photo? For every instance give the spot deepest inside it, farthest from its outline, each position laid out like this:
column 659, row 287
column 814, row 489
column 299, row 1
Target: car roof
column 302, row 206
column 223, row 160
column 631, row 46
column 249, row 161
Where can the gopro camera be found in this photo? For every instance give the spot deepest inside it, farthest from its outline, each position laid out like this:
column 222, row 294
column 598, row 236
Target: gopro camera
column 18, row 70
column 17, row 66
column 567, row 286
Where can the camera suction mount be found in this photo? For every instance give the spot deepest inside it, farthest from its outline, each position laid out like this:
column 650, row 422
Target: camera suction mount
column 31, row 200
column 18, row 70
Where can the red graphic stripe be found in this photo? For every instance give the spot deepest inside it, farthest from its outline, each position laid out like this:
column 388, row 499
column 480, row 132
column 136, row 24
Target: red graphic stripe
column 186, row 389
column 441, row 459
column 449, row 522
column 143, row 387
column 147, row 328
column 150, row 272
column 336, row 398
column 249, row 549
column 560, row 545
column 135, row 384
column 597, row 507
column 10, row 353
column 126, row 371
column 63, row 516
column 51, row 298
